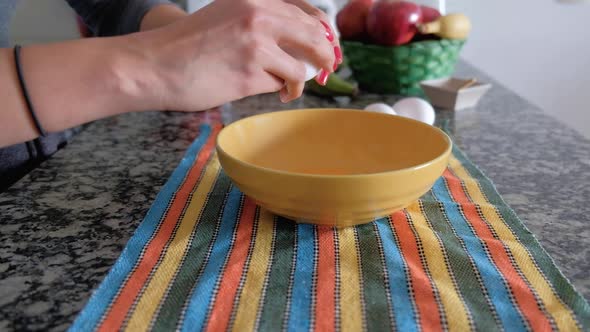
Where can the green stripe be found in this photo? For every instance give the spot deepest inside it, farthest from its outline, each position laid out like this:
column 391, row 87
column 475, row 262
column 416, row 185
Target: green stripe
column 195, row 257
column 265, row 288
column 462, row 269
column 275, row 304
column 376, row 305
column 564, row 289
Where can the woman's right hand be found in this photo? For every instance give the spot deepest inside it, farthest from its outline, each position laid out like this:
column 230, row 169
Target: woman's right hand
column 231, row 49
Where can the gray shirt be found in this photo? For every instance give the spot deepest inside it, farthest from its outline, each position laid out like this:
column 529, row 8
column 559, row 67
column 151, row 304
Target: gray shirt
column 102, row 18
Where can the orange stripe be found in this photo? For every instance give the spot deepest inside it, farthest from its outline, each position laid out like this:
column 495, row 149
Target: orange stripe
column 522, row 293
column 224, row 301
column 325, row 298
column 126, row 297
column 428, row 310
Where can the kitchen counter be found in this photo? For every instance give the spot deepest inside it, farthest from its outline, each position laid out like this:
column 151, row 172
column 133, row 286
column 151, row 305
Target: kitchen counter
column 63, row 226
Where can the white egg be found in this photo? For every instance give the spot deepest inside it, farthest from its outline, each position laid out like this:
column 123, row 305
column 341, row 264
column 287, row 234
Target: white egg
column 415, row 108
column 310, row 71
column 380, row 108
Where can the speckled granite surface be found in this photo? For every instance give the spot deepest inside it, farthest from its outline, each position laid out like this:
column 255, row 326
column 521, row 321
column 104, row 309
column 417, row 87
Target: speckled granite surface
column 63, row 226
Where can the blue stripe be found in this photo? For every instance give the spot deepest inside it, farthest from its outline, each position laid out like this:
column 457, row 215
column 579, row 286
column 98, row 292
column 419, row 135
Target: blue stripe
column 102, row 297
column 300, row 306
column 203, row 291
column 508, row 313
column 405, row 316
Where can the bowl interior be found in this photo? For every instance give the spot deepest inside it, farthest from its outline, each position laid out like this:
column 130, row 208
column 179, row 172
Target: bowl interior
column 332, row 142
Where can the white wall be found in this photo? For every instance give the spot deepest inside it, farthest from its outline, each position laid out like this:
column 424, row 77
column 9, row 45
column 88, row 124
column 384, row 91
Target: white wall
column 539, row 49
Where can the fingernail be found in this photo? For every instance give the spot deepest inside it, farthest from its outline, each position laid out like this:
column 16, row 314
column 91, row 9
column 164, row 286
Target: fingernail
column 338, row 54
column 322, row 77
column 283, row 94
column 329, row 35
column 335, row 65
column 282, row 97
column 326, row 26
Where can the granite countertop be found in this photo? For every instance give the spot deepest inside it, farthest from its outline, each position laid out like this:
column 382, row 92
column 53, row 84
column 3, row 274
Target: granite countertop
column 63, row 226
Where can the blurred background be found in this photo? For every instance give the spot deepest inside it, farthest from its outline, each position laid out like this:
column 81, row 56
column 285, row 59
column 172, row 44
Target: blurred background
column 539, row 49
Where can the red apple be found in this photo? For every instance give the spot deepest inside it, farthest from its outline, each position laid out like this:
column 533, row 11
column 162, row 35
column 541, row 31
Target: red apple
column 393, row 23
column 352, row 19
column 429, row 14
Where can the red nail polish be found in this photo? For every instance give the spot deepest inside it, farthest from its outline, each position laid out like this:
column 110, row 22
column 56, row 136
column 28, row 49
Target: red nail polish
column 338, row 54
column 326, row 26
column 322, row 77
column 329, row 35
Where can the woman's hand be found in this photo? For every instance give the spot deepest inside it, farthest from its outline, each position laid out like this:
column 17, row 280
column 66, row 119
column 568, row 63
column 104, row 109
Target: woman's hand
column 226, row 51
column 231, row 49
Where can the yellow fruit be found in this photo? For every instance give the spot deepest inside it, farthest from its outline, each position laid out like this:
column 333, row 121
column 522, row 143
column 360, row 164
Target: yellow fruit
column 451, row 26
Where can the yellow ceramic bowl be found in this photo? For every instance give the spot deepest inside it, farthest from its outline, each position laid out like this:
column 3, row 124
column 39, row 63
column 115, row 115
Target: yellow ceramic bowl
column 333, row 166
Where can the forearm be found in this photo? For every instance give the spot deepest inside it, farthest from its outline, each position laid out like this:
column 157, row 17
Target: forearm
column 71, row 83
column 75, row 82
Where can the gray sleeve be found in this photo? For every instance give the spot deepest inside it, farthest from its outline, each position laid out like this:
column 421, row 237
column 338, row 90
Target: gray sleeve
column 113, row 17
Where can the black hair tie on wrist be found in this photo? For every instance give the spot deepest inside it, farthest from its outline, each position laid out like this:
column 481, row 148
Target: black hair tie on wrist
column 23, row 86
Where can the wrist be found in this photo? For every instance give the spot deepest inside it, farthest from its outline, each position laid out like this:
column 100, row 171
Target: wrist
column 133, row 74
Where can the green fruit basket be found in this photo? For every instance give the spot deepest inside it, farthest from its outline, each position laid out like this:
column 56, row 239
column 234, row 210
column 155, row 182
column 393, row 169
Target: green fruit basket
column 400, row 69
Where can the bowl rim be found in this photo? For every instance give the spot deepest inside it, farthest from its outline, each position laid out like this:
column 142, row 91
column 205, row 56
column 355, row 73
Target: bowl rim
column 443, row 155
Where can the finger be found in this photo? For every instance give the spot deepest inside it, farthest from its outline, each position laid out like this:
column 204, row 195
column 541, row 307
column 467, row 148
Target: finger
column 315, row 12
column 303, row 10
column 304, row 41
column 288, row 69
column 273, row 70
column 308, row 8
column 255, row 78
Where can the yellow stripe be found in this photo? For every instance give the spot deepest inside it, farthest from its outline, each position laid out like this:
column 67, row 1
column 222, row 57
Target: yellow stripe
column 250, row 296
column 453, row 307
column 149, row 301
column 561, row 314
column 350, row 280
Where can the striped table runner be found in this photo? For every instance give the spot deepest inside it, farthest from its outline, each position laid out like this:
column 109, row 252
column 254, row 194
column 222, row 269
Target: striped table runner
column 207, row 258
